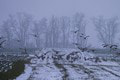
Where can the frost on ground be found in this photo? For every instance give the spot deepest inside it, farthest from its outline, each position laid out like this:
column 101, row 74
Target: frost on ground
column 45, row 72
column 70, row 64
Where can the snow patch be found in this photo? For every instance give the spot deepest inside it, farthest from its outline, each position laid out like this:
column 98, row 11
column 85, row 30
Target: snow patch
column 26, row 73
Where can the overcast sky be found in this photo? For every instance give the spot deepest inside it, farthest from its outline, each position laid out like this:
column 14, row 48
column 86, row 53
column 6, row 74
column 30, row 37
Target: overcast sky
column 46, row 8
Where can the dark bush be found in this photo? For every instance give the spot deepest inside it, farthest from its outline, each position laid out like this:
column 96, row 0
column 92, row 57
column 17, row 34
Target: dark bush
column 17, row 69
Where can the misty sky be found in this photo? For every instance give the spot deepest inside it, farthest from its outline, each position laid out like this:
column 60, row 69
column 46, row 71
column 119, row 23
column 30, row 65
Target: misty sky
column 46, row 8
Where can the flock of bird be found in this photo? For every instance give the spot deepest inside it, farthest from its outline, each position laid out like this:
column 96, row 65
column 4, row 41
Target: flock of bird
column 114, row 47
column 56, row 55
column 70, row 57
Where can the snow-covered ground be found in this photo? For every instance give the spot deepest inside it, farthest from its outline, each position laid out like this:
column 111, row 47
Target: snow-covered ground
column 69, row 64
column 26, row 74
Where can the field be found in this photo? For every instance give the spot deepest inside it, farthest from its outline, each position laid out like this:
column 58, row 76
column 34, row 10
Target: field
column 70, row 64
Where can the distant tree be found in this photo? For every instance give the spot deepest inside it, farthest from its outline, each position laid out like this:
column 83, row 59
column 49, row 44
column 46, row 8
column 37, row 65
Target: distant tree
column 79, row 24
column 7, row 30
column 24, row 21
column 48, row 39
column 107, row 29
column 38, row 31
column 54, row 31
column 65, row 29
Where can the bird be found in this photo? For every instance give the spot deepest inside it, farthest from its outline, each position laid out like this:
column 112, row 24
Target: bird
column 76, row 44
column 1, row 43
column 46, row 52
column 86, row 37
column 37, row 56
column 18, row 40
column 2, row 37
column 82, row 34
column 56, row 51
column 105, row 45
column 34, row 35
column 112, row 46
column 75, row 31
column 92, row 50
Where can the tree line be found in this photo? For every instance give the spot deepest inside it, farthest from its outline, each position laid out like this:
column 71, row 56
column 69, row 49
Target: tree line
column 22, row 30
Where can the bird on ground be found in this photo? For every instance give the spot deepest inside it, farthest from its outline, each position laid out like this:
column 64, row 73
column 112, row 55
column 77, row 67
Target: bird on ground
column 55, row 51
column 46, row 52
column 105, row 45
column 112, row 46
column 37, row 56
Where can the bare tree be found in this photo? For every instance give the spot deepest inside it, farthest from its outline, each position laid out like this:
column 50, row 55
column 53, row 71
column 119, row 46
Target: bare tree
column 54, row 31
column 79, row 24
column 38, row 31
column 7, row 30
column 22, row 30
column 107, row 29
column 65, row 29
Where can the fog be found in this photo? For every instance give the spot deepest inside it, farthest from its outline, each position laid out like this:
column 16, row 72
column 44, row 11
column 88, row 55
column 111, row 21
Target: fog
column 59, row 39
column 47, row 8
